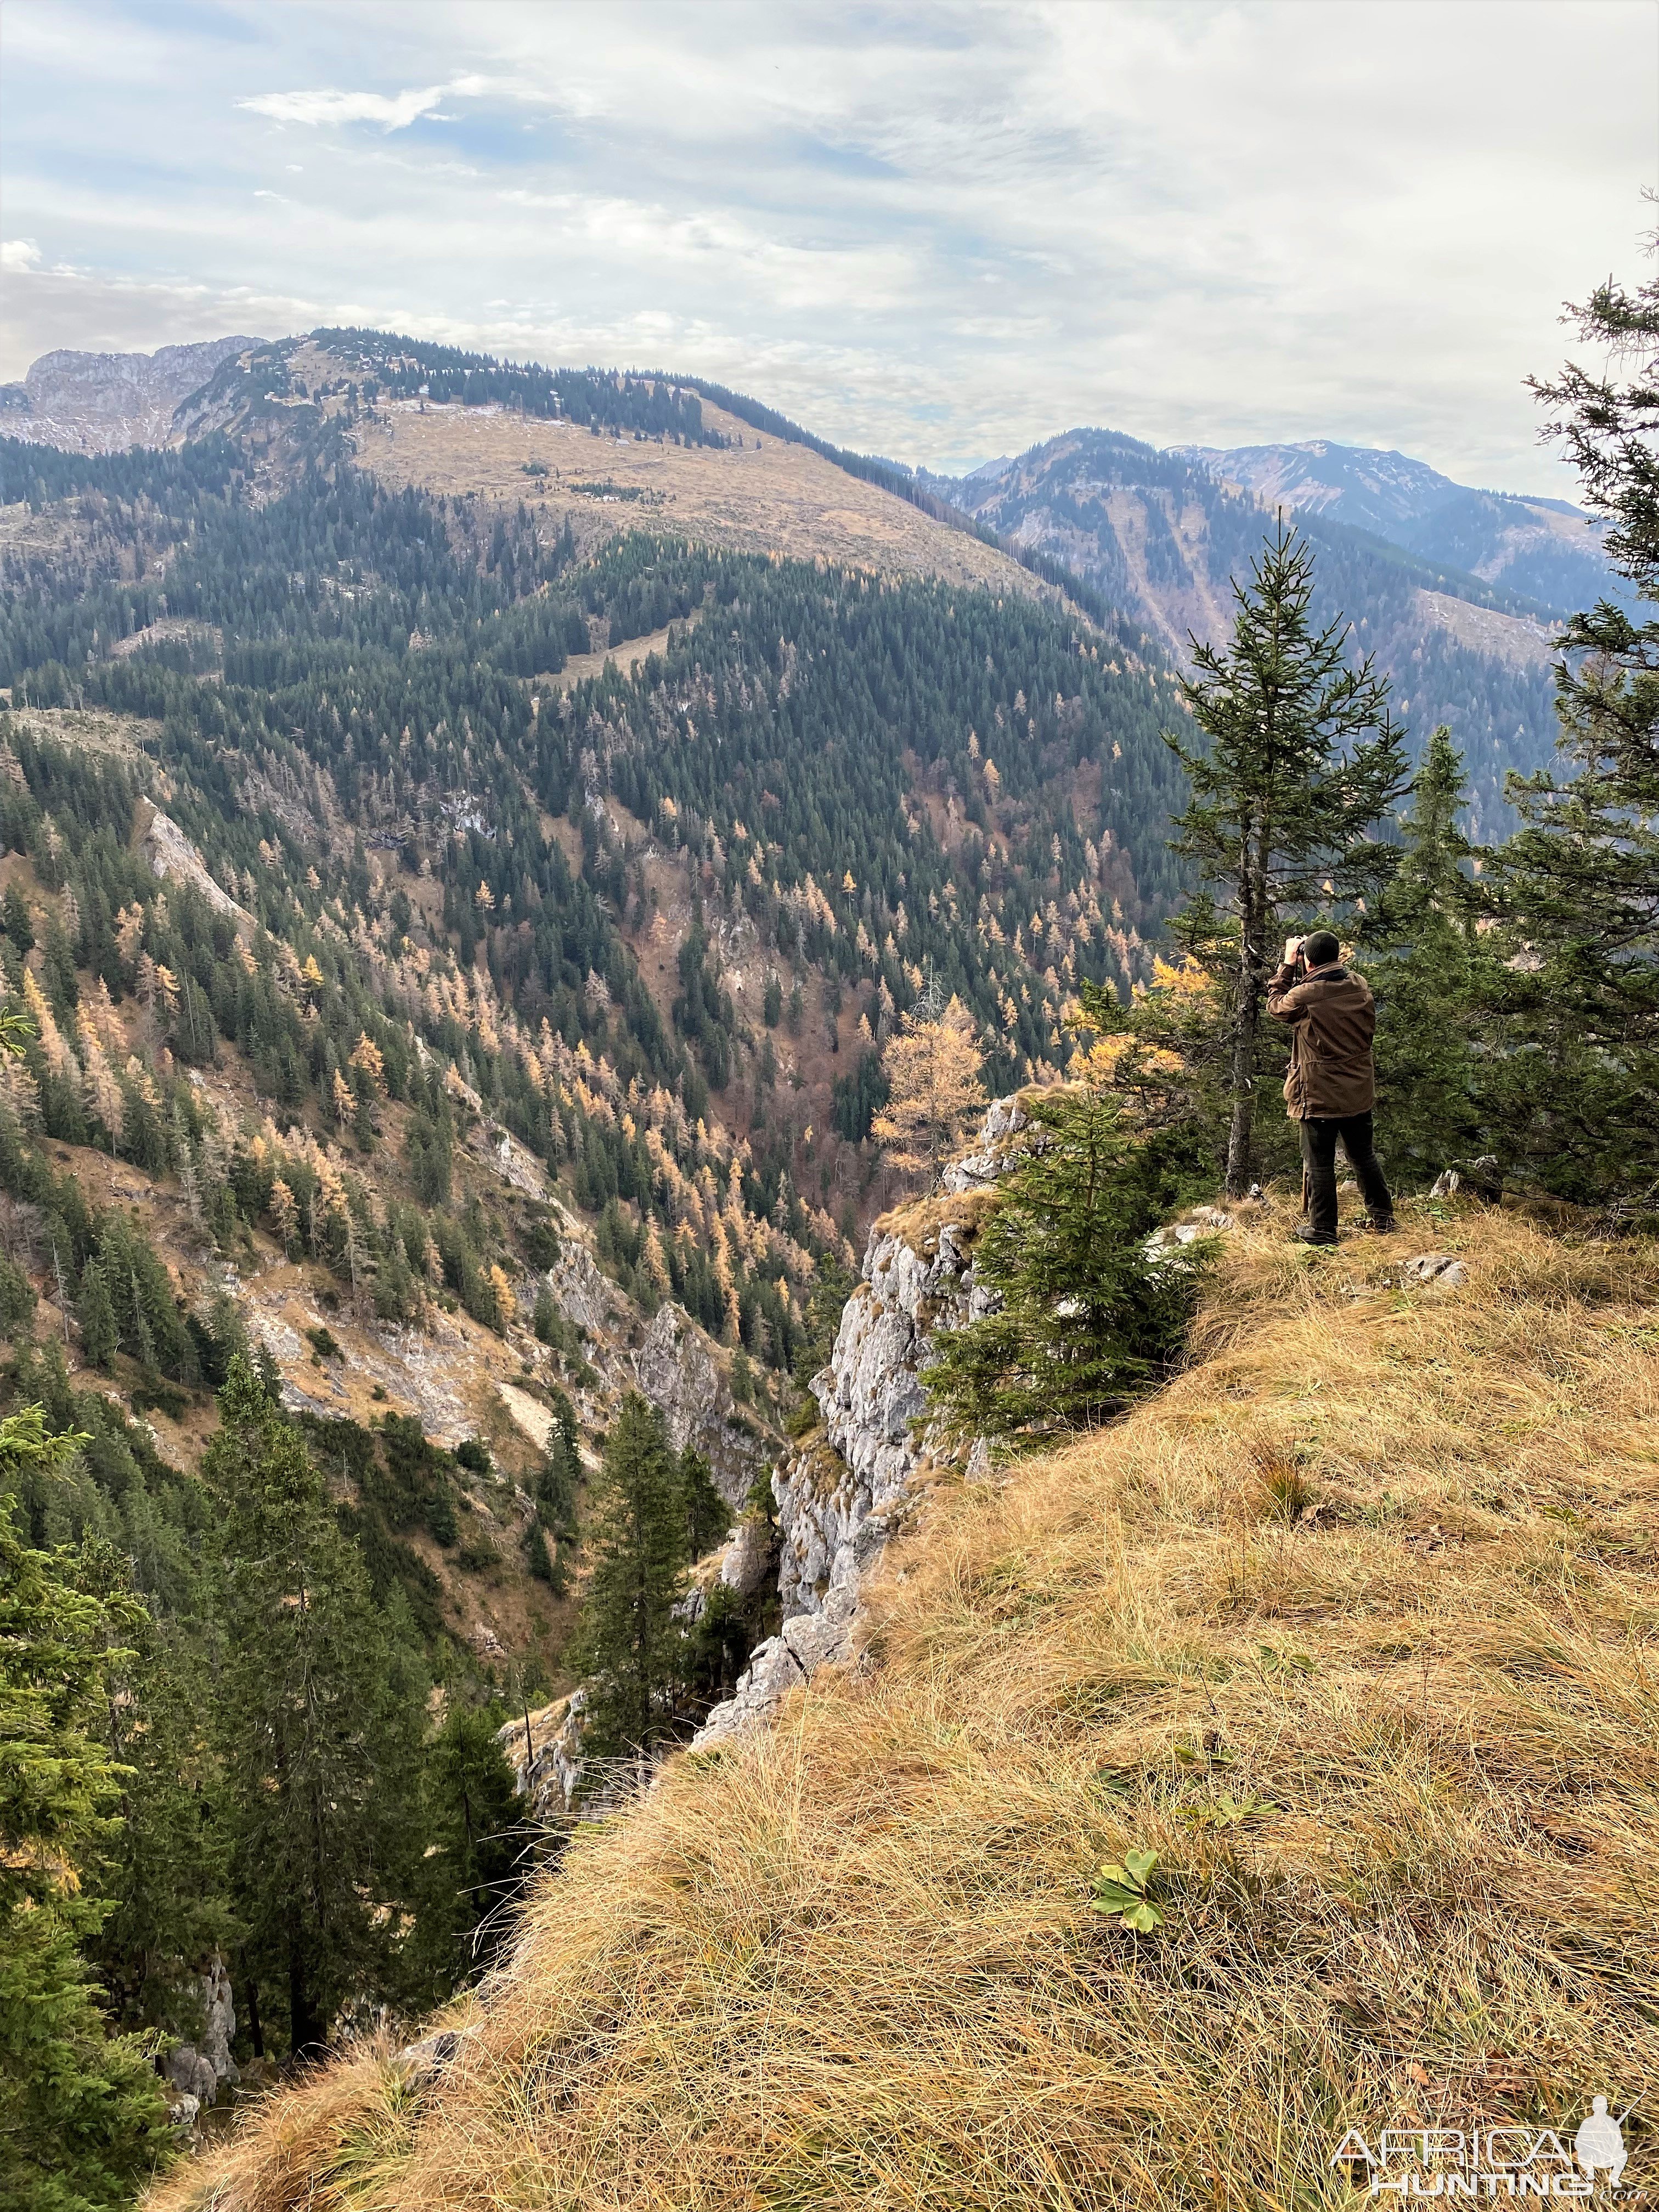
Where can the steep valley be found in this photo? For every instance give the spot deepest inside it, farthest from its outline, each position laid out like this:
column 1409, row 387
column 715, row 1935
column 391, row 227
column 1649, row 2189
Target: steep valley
column 459, row 928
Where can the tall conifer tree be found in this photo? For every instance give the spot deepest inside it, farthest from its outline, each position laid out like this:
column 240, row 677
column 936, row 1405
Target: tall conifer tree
column 1424, row 955
column 638, row 1537
column 1302, row 759
column 82, row 2120
column 1080, row 1317
column 312, row 1738
column 1578, row 1021
column 475, row 1845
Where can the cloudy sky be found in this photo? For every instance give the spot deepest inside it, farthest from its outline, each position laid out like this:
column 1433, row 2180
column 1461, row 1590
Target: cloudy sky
column 938, row 232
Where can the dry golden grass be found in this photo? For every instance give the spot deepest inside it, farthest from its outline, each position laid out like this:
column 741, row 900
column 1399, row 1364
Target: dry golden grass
column 1380, row 1567
column 87, row 730
column 917, row 1221
column 775, row 498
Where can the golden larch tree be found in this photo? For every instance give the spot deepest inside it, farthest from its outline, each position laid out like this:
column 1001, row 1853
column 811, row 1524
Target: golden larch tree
column 932, row 1068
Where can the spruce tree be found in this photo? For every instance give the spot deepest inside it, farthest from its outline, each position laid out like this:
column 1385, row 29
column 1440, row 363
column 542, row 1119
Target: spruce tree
column 1302, row 759
column 1079, row 1317
column 167, row 1870
column 708, row 1516
column 82, row 2119
column 475, row 1848
column 1422, row 951
column 312, row 1733
column 628, row 1643
column 100, row 1335
column 559, row 1473
column 1575, row 1032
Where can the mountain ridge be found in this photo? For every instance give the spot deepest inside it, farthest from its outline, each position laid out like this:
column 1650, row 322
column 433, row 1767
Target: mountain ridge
column 1545, row 549
column 1162, row 537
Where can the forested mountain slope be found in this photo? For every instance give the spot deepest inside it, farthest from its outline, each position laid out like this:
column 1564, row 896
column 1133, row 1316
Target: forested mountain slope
column 452, row 999
column 1159, row 534
column 466, row 835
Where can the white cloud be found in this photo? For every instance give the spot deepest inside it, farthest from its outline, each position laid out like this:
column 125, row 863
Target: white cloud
column 18, row 255
column 314, row 109
column 398, row 111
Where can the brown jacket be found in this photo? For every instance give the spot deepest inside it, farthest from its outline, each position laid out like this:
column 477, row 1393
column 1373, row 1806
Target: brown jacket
column 1333, row 1018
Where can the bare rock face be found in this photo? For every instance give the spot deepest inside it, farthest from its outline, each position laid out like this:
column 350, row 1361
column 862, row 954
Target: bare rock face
column 196, row 2071
column 746, row 1557
column 842, row 1493
column 544, row 1749
column 102, row 403
column 674, row 1368
column 171, row 854
column 550, row 1768
column 515, row 1163
column 583, row 1294
column 804, row 1644
column 979, row 1167
column 837, row 1499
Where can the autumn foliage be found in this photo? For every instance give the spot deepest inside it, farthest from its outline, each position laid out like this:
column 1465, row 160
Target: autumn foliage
column 933, row 1067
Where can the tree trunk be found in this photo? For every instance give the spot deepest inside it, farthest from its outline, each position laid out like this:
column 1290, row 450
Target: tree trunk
column 1244, row 1082
column 251, row 1996
column 305, row 2024
column 1252, row 921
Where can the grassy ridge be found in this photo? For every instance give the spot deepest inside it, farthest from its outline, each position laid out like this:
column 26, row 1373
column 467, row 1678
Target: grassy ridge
column 1355, row 1624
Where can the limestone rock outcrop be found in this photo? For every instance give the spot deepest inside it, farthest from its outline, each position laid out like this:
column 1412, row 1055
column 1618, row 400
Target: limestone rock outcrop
column 842, row 1495
column 196, row 2071
column 544, row 1749
column 990, row 1153
column 102, row 403
column 674, row 1368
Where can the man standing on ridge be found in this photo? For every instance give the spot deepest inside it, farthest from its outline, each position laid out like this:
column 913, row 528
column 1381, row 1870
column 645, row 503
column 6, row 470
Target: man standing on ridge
column 1332, row 1085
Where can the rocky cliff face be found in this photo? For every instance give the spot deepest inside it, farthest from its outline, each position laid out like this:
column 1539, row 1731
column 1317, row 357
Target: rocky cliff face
column 674, row 1368
column 102, row 403
column 843, row 1493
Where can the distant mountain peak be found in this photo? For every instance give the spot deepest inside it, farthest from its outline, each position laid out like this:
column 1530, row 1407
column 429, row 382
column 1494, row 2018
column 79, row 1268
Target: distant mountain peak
column 102, row 403
column 1543, row 549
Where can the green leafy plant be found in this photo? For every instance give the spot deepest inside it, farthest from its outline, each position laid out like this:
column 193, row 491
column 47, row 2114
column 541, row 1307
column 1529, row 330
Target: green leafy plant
column 1230, row 1812
column 1121, row 1892
column 1208, row 1753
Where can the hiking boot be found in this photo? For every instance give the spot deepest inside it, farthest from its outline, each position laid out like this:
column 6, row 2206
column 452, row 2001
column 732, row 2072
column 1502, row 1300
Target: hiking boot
column 1306, row 1236
column 1382, row 1227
